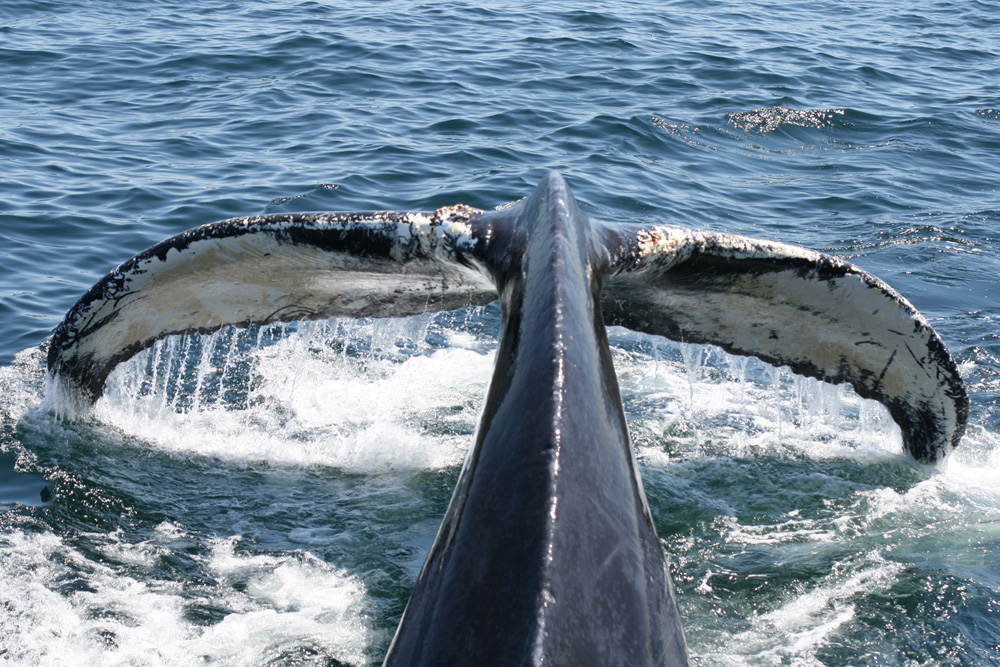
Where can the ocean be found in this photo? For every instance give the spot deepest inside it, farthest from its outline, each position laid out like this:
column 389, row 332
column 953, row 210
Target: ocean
column 267, row 496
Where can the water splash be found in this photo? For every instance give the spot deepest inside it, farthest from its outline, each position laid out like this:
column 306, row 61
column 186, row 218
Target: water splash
column 696, row 401
column 357, row 395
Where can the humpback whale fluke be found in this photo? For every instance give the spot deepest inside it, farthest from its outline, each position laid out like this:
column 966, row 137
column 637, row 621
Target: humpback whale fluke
column 547, row 552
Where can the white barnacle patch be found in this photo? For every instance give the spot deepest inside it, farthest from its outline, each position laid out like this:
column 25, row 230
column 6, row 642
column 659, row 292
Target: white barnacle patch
column 741, row 247
column 663, row 246
column 437, row 234
column 454, row 222
column 656, row 240
column 458, row 211
column 418, row 221
column 412, row 237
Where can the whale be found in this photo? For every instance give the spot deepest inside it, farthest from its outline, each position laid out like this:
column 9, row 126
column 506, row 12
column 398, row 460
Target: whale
column 548, row 552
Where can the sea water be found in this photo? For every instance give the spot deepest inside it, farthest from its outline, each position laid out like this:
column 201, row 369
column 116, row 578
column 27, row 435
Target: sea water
column 267, row 496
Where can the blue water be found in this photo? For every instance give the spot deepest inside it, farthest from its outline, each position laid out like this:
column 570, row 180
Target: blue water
column 283, row 520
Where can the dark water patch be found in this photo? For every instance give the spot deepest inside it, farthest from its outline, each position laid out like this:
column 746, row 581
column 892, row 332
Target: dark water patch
column 20, row 488
column 921, row 595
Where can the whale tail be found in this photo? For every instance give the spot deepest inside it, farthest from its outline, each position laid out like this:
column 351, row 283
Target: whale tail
column 819, row 315
column 548, row 552
column 816, row 314
column 263, row 269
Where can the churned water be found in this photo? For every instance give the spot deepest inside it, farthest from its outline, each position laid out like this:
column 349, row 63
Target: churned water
column 266, row 497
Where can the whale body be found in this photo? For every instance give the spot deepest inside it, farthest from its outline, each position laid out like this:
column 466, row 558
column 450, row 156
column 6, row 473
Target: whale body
column 547, row 553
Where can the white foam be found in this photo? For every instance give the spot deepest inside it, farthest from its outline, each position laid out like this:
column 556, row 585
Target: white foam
column 21, row 382
column 807, row 619
column 288, row 602
column 309, row 404
column 63, row 608
column 791, row 530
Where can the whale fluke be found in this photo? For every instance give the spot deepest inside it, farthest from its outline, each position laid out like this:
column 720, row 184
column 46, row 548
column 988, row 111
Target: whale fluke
column 263, row 269
column 547, row 552
column 819, row 315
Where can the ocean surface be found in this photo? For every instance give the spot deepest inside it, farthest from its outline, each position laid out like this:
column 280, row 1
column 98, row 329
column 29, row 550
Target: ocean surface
column 267, row 497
